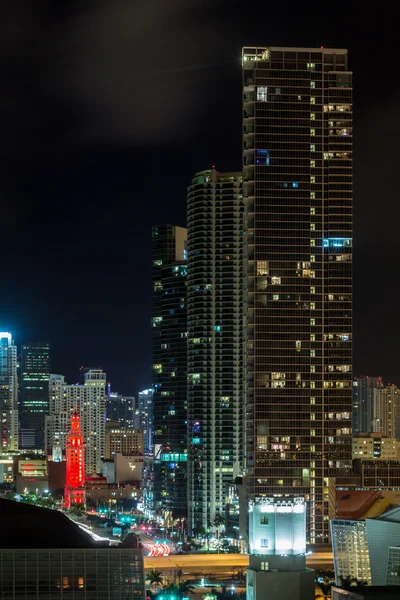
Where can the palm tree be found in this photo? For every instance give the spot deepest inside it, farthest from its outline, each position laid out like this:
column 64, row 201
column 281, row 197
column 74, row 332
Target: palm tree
column 218, row 521
column 186, row 587
column 154, row 578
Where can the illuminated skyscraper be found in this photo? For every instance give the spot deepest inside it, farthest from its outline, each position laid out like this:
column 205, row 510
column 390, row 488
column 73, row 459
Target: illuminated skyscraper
column 144, row 418
column 8, row 393
column 386, row 410
column 121, row 408
column 297, row 189
column 215, row 341
column 169, row 358
column 74, row 493
column 34, row 386
column 90, row 402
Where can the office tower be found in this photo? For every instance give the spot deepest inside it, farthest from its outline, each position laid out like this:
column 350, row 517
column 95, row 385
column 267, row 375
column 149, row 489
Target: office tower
column 74, row 492
column 215, row 333
column 386, row 410
column 121, row 408
column 122, row 440
column 89, row 400
column 169, row 342
column 297, row 189
column 34, row 390
column 8, row 393
column 144, row 418
column 363, row 402
column 277, row 561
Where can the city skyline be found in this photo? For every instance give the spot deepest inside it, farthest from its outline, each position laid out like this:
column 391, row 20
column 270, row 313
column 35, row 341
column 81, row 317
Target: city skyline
column 86, row 265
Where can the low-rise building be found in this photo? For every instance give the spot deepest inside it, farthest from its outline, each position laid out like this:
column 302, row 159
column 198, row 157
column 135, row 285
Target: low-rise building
column 123, row 440
column 375, row 446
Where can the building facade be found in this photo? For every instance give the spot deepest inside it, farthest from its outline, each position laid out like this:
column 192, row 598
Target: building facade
column 123, row 440
column 89, row 400
column 386, row 410
column 363, row 402
column 215, row 341
column 8, row 393
column 297, row 189
column 121, row 408
column 169, row 344
column 34, row 393
column 375, row 446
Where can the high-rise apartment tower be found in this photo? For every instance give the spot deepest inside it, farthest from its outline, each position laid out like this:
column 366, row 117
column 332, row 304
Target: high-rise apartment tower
column 215, row 341
column 8, row 393
column 363, row 402
column 169, row 342
column 297, row 189
column 89, row 400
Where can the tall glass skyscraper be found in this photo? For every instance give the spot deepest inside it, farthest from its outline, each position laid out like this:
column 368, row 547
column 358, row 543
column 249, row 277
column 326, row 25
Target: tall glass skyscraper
column 215, row 341
column 169, row 343
column 297, row 189
column 8, row 393
column 363, row 402
column 34, row 387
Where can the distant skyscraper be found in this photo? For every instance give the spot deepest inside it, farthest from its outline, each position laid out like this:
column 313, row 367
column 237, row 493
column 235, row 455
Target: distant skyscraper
column 90, row 402
column 8, row 393
column 144, row 418
column 386, row 410
column 121, row 408
column 74, row 493
column 34, row 390
column 363, row 402
column 215, row 348
column 297, row 189
column 169, row 358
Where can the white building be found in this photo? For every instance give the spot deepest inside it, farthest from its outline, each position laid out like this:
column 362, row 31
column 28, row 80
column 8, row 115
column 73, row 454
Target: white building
column 90, row 402
column 8, row 393
column 277, row 547
column 386, row 410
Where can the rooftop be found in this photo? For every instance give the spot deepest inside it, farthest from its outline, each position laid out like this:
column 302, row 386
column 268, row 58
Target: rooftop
column 28, row 526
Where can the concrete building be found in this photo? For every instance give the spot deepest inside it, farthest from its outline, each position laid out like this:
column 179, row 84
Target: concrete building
column 8, row 393
column 386, row 410
column 45, row 555
column 363, row 402
column 122, row 440
column 375, row 446
column 215, row 341
column 277, row 546
column 169, row 358
column 297, row 191
column 34, row 392
column 368, row 550
column 90, row 402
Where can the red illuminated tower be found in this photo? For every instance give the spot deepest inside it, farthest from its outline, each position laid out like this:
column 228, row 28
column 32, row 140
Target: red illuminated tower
column 74, row 493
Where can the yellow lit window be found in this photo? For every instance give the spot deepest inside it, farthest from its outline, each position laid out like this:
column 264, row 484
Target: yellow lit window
column 312, row 195
column 312, row 290
column 312, row 179
column 312, row 100
column 312, row 242
column 312, row 164
column 312, row 258
column 312, row 116
column 312, row 211
column 312, row 226
column 312, row 85
column 312, row 131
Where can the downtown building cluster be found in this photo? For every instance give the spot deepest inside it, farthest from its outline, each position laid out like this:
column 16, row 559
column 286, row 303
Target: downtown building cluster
column 263, row 309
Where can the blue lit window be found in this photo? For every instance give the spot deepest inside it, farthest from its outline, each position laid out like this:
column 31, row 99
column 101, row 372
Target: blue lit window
column 172, row 311
column 295, row 184
column 217, row 328
column 195, row 440
column 336, row 242
column 262, row 157
column 285, row 185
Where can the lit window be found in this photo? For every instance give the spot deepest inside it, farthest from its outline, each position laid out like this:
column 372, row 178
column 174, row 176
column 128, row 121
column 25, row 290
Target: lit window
column 295, row 184
column 312, row 322
column 312, row 85
column 312, row 179
column 264, row 566
column 312, row 148
column 312, row 100
column 312, row 353
column 262, row 94
column 312, row 258
column 312, row 242
column 312, row 337
column 275, row 297
column 312, row 195
column 312, row 116
column 264, row 542
column 217, row 328
column 311, row 66
column 275, row 280
column 312, row 226
column 312, row 369
column 312, row 132
column 312, row 306
column 298, row 345
column 312, row 211
column 312, row 290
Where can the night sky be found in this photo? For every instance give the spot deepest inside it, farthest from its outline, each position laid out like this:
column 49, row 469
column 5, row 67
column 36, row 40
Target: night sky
column 107, row 110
